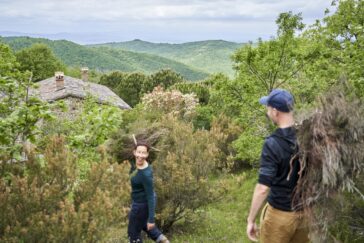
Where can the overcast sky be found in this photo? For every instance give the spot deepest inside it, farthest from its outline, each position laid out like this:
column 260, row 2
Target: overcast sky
column 95, row 21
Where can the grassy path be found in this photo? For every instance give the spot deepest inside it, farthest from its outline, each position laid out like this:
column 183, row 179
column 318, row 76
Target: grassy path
column 223, row 221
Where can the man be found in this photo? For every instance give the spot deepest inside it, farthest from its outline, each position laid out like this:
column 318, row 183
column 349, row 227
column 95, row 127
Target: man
column 278, row 175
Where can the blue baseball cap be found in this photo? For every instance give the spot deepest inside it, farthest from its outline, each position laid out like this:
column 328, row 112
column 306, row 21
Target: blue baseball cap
column 280, row 99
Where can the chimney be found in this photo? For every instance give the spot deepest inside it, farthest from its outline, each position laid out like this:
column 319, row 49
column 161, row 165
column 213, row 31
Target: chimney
column 59, row 80
column 84, row 74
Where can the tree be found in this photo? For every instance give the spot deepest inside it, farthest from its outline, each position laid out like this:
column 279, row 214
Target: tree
column 75, row 71
column 200, row 89
column 19, row 112
column 164, row 78
column 277, row 63
column 238, row 99
column 40, row 60
column 132, row 86
column 112, row 80
column 341, row 39
column 126, row 85
column 273, row 63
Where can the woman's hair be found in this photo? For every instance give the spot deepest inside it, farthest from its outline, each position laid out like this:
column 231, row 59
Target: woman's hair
column 142, row 143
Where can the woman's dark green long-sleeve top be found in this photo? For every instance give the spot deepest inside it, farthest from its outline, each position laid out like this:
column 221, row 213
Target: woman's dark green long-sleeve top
column 142, row 190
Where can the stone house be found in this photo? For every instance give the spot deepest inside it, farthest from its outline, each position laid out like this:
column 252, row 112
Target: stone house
column 73, row 90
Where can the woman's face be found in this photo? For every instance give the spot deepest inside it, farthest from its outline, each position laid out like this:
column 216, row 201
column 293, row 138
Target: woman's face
column 141, row 154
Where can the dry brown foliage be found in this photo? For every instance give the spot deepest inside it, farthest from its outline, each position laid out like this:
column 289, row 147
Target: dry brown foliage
column 331, row 141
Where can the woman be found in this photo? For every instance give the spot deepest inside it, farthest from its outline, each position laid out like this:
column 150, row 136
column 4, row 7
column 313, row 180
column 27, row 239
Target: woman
column 142, row 212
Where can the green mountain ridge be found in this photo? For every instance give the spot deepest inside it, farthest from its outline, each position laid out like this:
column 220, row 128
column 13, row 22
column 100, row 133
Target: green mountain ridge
column 211, row 56
column 149, row 62
column 105, row 58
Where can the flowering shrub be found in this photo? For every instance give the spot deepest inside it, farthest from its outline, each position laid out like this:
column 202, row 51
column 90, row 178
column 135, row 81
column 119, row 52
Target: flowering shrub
column 171, row 102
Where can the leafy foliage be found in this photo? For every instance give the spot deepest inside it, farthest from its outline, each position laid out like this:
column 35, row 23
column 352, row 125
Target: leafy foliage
column 44, row 200
column 237, row 99
column 200, row 89
column 40, row 60
column 343, row 33
column 93, row 75
column 198, row 129
column 132, row 86
column 181, row 169
column 126, row 85
column 164, row 78
column 86, row 130
column 272, row 63
column 18, row 111
column 224, row 131
column 182, row 163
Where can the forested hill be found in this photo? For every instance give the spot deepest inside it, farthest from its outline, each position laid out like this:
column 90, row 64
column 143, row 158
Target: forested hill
column 210, row 56
column 105, row 58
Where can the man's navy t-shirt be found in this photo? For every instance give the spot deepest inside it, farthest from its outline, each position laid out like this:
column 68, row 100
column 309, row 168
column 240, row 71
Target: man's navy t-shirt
column 276, row 155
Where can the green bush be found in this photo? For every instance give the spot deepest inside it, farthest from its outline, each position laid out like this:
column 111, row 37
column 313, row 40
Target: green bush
column 203, row 117
column 182, row 168
column 182, row 163
column 224, row 131
column 42, row 200
column 200, row 89
column 86, row 124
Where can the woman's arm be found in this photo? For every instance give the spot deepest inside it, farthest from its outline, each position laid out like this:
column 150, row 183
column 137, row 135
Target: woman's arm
column 149, row 190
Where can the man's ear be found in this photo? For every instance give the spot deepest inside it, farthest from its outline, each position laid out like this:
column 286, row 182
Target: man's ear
column 275, row 112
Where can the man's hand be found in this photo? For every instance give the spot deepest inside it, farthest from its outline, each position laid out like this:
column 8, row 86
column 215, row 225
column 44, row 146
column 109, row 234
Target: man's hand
column 252, row 231
column 150, row 226
column 260, row 194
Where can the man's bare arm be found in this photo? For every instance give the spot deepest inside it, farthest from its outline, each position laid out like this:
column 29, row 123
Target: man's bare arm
column 260, row 195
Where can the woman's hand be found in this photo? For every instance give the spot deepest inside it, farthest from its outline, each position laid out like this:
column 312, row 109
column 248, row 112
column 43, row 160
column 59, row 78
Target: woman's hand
column 150, row 226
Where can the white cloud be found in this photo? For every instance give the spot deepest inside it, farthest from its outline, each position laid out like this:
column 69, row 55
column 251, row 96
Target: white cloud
column 113, row 15
column 155, row 10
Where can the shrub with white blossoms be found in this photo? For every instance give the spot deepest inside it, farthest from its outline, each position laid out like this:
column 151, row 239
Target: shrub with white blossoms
column 171, row 102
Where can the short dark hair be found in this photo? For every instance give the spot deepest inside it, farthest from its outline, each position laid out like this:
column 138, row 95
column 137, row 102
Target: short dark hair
column 142, row 143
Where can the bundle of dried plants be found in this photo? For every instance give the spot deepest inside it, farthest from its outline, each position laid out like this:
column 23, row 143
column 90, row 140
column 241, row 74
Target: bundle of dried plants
column 331, row 142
